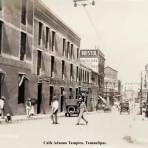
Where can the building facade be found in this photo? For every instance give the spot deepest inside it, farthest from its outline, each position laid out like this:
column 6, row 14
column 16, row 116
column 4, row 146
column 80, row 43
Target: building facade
column 95, row 60
column 39, row 58
column 110, row 84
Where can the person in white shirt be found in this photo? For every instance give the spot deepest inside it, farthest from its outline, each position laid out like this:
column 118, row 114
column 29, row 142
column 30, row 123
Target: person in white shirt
column 55, row 106
column 2, row 102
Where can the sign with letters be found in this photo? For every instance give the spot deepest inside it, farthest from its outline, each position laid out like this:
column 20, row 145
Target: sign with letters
column 88, row 53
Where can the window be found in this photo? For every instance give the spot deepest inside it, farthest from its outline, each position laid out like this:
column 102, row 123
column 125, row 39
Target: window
column 64, row 43
column 23, row 46
column 53, row 40
column 77, row 53
column 24, row 11
column 88, row 77
column 47, row 37
column 40, row 33
column 68, row 46
column 21, row 89
column 39, row 62
column 52, row 66
column 71, row 72
column 77, row 93
column 77, row 73
column 63, row 69
column 70, row 93
column 71, row 52
column 1, row 28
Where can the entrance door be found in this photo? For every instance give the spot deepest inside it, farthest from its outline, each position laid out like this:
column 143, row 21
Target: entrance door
column 51, row 94
column 39, row 98
column 62, row 99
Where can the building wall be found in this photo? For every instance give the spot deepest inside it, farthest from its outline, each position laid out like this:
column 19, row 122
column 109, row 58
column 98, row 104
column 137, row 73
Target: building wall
column 10, row 53
column 39, row 80
column 110, row 84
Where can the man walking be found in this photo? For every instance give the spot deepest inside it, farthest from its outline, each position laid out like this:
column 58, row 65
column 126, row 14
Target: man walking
column 83, row 109
column 55, row 106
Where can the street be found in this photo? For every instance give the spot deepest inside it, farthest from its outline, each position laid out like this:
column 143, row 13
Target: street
column 108, row 129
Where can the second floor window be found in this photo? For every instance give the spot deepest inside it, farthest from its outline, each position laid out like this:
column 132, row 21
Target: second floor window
column 39, row 62
column 68, row 46
column 1, row 28
column 77, row 73
column 47, row 37
column 77, row 53
column 40, row 33
column 71, row 52
column 23, row 46
column 53, row 40
column 52, row 66
column 64, row 45
column 63, row 69
column 24, row 11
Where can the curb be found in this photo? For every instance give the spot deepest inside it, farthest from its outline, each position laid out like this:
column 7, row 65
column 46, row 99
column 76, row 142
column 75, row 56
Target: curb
column 36, row 117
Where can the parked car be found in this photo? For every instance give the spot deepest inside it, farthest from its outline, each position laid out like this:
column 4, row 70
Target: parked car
column 107, row 108
column 72, row 107
column 124, row 107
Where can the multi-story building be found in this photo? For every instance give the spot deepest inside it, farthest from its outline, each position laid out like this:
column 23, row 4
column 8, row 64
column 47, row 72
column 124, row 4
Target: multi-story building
column 110, row 84
column 39, row 58
column 94, row 59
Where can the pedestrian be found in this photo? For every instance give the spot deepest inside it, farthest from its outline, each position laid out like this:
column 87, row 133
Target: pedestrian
column 28, row 107
column 83, row 109
column 2, row 103
column 8, row 118
column 55, row 106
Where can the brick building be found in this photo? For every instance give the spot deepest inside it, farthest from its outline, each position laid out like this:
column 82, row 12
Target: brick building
column 39, row 58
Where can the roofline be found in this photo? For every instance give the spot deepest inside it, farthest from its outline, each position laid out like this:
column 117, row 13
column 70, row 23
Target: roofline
column 110, row 68
column 59, row 20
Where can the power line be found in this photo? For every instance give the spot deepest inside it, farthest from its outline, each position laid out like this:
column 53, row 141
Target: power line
column 92, row 24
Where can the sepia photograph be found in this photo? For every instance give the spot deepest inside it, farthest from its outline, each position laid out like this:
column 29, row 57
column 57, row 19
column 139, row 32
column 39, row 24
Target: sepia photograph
column 74, row 73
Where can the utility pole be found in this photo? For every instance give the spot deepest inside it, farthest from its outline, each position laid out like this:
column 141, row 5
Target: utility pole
column 141, row 94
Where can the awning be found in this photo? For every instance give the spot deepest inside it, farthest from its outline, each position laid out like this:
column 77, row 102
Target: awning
column 22, row 77
column 2, row 71
column 104, row 101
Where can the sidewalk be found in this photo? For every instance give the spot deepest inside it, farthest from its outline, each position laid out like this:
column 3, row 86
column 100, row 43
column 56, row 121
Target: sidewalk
column 19, row 118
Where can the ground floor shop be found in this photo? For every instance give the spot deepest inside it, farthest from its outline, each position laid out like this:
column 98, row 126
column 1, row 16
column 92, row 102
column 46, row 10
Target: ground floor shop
column 18, row 84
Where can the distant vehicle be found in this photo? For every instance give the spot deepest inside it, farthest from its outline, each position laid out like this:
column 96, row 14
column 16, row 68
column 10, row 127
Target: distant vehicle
column 124, row 107
column 72, row 107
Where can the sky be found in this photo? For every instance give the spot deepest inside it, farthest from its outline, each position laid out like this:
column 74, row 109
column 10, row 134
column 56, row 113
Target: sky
column 118, row 27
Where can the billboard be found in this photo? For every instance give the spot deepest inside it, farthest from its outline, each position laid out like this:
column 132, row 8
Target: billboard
column 88, row 53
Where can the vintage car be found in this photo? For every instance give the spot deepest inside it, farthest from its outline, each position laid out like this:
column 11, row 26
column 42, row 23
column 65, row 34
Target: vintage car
column 124, row 107
column 107, row 108
column 72, row 107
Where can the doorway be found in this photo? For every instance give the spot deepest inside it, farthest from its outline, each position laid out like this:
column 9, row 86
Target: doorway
column 51, row 94
column 39, row 98
column 62, row 99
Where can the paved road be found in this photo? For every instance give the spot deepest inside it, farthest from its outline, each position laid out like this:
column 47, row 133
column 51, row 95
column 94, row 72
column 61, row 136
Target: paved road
column 110, row 128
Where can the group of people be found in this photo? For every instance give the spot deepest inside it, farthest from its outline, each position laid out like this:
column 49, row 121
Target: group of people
column 55, row 105
column 82, row 109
